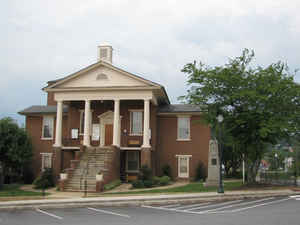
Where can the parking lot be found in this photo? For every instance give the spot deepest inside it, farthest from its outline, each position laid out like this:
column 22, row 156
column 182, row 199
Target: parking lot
column 271, row 210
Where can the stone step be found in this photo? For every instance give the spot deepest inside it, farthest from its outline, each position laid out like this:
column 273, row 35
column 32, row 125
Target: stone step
column 92, row 171
column 92, row 161
column 92, row 165
column 79, row 190
column 79, row 179
column 77, row 184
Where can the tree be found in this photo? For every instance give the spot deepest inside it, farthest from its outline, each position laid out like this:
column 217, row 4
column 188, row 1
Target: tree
column 260, row 105
column 276, row 159
column 15, row 147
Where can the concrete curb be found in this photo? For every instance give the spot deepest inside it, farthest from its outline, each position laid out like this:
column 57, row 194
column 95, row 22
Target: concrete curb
column 140, row 200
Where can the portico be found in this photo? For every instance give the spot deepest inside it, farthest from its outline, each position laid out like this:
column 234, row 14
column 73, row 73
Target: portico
column 109, row 117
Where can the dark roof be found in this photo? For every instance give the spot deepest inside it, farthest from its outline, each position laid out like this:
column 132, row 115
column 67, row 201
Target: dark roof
column 41, row 109
column 176, row 108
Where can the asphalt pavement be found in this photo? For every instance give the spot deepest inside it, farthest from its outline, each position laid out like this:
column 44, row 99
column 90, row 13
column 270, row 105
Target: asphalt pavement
column 284, row 210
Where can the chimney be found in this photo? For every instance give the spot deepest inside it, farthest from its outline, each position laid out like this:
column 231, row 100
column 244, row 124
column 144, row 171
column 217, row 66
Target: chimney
column 105, row 53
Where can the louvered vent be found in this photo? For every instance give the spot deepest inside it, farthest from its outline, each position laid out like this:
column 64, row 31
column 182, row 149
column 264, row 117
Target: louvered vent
column 105, row 53
column 101, row 76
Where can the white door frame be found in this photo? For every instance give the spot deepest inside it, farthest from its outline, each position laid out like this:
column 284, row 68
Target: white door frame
column 107, row 118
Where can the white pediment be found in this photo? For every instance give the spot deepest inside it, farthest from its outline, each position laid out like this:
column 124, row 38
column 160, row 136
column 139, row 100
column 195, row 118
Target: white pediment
column 102, row 76
column 107, row 115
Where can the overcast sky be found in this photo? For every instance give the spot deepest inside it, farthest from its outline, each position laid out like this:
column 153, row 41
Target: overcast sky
column 45, row 40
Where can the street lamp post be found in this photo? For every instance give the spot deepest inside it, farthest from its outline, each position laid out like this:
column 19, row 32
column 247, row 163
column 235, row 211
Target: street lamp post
column 276, row 166
column 220, row 119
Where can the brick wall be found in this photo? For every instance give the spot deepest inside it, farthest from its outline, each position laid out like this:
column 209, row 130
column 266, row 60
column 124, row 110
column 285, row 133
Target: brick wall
column 168, row 147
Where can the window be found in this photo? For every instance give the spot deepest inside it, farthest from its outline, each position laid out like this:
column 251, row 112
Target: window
column 132, row 162
column 46, row 161
column 47, row 132
column 183, row 165
column 136, row 122
column 183, row 132
column 95, row 132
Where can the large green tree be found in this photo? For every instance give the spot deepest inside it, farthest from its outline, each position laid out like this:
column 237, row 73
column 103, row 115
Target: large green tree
column 15, row 147
column 260, row 104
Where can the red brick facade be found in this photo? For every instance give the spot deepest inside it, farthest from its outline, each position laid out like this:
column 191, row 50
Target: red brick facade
column 164, row 144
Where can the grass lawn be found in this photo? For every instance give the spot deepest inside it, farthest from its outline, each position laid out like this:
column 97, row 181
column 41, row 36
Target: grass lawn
column 13, row 190
column 189, row 188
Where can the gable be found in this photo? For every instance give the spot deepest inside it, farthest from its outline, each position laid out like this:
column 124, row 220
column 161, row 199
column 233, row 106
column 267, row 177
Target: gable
column 101, row 76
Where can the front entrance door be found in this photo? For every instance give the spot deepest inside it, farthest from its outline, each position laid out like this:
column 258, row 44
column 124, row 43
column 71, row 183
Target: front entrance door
column 108, row 134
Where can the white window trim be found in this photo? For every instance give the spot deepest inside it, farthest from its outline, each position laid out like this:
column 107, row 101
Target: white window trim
column 43, row 162
column 188, row 165
column 189, row 127
column 52, row 134
column 136, row 110
column 132, row 171
column 81, row 132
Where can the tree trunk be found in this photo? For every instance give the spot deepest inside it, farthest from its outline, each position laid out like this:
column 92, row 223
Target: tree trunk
column 1, row 176
column 252, row 169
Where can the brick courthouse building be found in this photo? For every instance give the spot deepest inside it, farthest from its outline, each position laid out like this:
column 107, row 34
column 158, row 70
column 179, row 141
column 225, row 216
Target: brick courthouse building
column 104, row 119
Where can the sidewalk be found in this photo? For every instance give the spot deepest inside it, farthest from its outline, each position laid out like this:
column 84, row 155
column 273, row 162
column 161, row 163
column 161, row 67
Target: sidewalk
column 141, row 200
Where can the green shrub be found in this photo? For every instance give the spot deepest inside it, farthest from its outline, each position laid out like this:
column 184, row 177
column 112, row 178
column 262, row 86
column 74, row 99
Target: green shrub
column 28, row 176
column 138, row 184
column 45, row 180
column 112, row 185
column 165, row 180
column 156, row 181
column 167, row 171
column 145, row 173
column 148, row 183
column 200, row 172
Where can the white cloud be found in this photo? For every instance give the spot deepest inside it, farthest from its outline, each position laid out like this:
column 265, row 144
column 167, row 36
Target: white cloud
column 45, row 40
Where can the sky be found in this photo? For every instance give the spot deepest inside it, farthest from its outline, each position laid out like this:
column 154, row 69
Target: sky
column 46, row 40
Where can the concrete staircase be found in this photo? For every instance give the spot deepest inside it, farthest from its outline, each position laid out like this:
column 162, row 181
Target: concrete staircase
column 92, row 161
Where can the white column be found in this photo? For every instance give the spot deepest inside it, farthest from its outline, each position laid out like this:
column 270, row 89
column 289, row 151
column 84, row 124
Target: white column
column 146, row 141
column 87, row 119
column 116, row 123
column 58, row 131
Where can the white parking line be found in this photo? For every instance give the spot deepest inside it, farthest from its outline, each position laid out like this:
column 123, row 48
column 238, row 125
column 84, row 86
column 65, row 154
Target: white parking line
column 240, row 204
column 161, row 208
column 295, row 196
column 49, row 214
column 170, row 206
column 191, row 206
column 213, row 205
column 254, row 206
column 108, row 212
